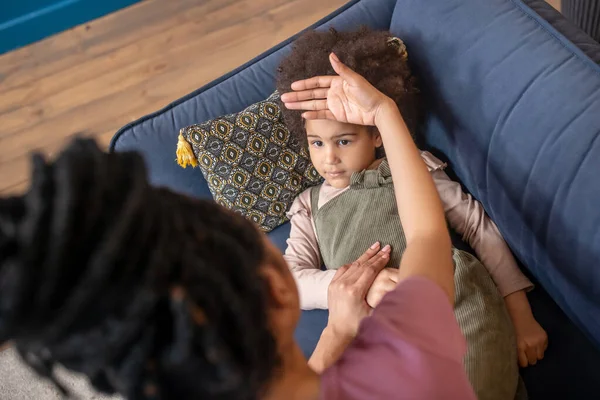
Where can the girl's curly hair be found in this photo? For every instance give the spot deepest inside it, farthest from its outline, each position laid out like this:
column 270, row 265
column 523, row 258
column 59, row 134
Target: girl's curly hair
column 369, row 53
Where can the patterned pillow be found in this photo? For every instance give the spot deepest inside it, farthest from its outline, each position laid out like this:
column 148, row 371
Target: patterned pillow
column 251, row 162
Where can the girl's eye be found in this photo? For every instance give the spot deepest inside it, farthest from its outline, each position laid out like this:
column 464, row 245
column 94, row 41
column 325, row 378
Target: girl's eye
column 344, row 142
column 317, row 143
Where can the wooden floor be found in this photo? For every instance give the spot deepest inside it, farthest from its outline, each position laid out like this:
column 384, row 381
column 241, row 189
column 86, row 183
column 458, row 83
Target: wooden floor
column 95, row 78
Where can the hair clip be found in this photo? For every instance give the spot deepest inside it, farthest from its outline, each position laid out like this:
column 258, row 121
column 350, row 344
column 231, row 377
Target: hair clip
column 399, row 45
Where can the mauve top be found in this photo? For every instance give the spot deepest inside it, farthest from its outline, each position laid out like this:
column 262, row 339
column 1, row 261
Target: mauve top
column 465, row 215
column 410, row 348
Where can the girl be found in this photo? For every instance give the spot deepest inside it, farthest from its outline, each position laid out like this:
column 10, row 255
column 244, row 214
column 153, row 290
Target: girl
column 355, row 205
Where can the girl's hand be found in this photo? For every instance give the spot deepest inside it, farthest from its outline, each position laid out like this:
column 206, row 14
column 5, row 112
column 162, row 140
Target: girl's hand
column 346, row 97
column 386, row 281
column 532, row 339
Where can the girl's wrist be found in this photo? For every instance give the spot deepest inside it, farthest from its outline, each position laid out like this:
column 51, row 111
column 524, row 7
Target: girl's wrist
column 518, row 306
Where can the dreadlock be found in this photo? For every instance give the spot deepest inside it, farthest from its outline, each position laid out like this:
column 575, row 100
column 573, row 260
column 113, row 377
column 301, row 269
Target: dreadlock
column 89, row 259
column 370, row 53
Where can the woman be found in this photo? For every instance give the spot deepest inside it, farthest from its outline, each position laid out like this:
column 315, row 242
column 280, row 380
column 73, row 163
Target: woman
column 158, row 296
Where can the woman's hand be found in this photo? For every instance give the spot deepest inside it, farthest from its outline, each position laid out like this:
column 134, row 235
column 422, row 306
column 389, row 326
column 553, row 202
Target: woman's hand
column 386, row 281
column 347, row 97
column 347, row 305
column 348, row 290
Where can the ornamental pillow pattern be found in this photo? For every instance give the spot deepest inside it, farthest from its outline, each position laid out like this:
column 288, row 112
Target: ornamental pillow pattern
column 250, row 161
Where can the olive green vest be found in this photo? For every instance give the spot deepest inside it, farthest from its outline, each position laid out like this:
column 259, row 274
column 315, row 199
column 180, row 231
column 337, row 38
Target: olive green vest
column 367, row 212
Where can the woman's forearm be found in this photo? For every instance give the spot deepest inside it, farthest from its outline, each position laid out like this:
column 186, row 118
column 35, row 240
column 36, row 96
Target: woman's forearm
column 329, row 348
column 418, row 201
column 429, row 247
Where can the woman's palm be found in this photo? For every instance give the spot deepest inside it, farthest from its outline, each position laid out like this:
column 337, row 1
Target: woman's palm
column 346, row 97
column 354, row 103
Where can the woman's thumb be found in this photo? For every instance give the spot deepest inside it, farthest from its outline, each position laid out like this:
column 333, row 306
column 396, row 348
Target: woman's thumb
column 340, row 68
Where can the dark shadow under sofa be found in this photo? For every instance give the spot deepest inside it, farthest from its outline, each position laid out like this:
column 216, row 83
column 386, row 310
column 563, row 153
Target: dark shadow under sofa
column 513, row 104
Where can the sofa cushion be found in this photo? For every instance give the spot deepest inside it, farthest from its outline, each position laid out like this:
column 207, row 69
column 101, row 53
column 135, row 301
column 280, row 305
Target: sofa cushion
column 251, row 163
column 516, row 107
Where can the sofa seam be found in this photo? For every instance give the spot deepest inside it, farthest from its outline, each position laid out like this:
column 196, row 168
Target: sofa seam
column 558, row 36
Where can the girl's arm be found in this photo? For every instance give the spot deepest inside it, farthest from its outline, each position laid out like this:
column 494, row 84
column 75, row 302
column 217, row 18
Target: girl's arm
column 468, row 218
column 304, row 258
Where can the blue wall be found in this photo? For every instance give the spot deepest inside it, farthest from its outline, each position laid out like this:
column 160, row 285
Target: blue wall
column 26, row 21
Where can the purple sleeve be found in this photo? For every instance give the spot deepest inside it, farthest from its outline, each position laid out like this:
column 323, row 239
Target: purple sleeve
column 411, row 347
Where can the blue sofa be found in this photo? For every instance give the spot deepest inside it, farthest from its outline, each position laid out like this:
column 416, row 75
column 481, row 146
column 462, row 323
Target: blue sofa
column 513, row 103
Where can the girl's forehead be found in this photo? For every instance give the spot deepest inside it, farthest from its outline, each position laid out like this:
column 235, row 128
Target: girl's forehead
column 326, row 128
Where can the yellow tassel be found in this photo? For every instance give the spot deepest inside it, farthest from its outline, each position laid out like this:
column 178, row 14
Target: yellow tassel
column 185, row 154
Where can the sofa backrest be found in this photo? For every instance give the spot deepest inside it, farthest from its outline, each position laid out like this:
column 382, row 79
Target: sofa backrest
column 515, row 106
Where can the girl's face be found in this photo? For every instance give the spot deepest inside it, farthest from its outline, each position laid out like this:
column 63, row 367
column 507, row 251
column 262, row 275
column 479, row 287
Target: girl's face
column 339, row 149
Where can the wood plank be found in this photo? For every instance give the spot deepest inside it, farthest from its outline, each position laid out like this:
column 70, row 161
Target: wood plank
column 187, row 60
column 22, row 166
column 53, row 95
column 94, row 94
column 96, row 38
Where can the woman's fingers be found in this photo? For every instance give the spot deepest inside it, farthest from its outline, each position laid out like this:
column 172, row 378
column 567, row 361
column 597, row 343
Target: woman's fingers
column 303, row 95
column 372, row 260
column 369, row 259
column 371, row 251
column 321, row 114
column 370, row 270
column 342, row 69
column 313, row 83
column 309, row 105
column 340, row 272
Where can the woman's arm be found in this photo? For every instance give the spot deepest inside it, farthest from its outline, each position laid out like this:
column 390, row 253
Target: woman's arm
column 329, row 349
column 419, row 205
column 347, row 305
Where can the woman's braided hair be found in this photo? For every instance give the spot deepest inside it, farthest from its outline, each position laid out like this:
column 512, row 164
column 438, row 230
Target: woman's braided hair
column 372, row 54
column 89, row 258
